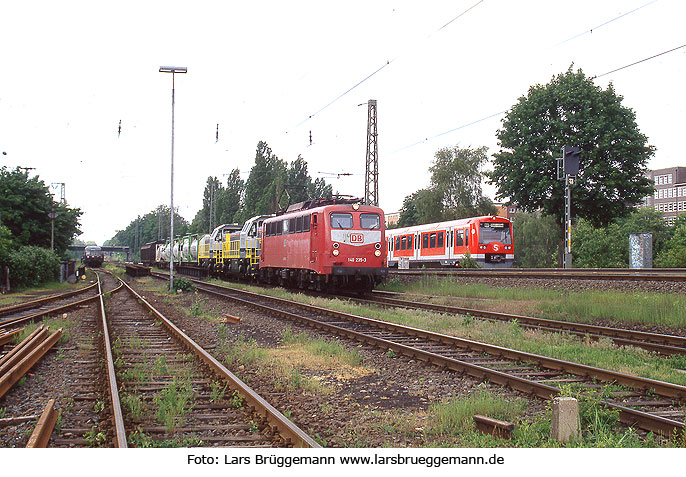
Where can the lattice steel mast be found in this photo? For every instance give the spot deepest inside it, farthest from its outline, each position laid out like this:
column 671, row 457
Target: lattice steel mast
column 371, row 176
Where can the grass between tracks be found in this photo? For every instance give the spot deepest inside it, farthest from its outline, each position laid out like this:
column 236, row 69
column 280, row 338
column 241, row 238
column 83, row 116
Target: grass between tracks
column 602, row 353
column 582, row 306
column 449, row 423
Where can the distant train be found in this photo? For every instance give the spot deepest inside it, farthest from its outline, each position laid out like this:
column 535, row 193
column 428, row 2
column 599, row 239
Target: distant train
column 321, row 244
column 488, row 240
column 93, row 256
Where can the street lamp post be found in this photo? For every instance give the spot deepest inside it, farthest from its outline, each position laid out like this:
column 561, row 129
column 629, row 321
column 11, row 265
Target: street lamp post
column 173, row 70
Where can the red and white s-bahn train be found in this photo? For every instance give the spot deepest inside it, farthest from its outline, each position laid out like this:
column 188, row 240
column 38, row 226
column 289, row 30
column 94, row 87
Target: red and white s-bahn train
column 325, row 244
column 488, row 240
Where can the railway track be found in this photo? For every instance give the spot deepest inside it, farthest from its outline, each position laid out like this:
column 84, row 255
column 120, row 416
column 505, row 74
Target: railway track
column 198, row 399
column 171, row 389
column 608, row 274
column 14, row 316
column 647, row 404
column 656, row 342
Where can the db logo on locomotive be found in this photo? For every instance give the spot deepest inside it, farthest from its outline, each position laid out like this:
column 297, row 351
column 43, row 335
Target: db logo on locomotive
column 356, row 238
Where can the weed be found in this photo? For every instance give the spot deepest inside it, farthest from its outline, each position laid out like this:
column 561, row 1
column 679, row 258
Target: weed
column 99, row 406
column 173, row 402
column 58, row 421
column 236, row 400
column 94, row 438
column 319, row 439
column 217, row 391
column 140, row 439
column 160, row 367
column 390, row 353
column 3, row 412
column 134, row 406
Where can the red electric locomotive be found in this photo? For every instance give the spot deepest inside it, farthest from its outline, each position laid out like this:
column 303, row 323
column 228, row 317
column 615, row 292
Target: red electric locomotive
column 488, row 240
column 325, row 244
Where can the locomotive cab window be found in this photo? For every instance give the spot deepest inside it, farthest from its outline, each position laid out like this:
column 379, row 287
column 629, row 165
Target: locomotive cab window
column 341, row 221
column 494, row 232
column 306, row 222
column 370, row 221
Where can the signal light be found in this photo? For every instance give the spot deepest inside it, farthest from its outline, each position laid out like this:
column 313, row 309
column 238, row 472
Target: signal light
column 336, row 252
column 570, row 160
column 377, row 253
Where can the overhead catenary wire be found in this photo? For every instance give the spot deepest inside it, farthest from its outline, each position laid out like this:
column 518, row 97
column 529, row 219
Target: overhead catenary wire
column 639, row 61
column 387, row 63
column 590, row 30
column 569, row 39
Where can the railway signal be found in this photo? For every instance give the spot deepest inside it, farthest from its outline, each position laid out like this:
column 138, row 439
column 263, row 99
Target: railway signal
column 567, row 170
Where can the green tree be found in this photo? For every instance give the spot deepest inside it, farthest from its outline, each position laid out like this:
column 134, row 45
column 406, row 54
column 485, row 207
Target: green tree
column 320, row 189
column 674, row 251
column 25, row 205
column 535, row 240
column 454, row 192
column 572, row 111
column 265, row 185
column 273, row 184
column 645, row 220
column 150, row 227
column 231, row 198
column 599, row 247
column 422, row 207
column 456, row 174
column 608, row 246
column 204, row 222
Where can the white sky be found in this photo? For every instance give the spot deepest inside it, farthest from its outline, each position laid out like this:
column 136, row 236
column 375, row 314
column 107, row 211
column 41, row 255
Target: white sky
column 70, row 71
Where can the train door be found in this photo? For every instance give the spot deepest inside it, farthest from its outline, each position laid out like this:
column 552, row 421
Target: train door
column 314, row 238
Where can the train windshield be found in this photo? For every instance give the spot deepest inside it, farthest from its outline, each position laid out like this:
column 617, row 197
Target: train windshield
column 341, row 221
column 370, row 221
column 494, row 232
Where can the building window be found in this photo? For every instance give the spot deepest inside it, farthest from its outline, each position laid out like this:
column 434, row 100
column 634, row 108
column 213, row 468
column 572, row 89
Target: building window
column 669, row 178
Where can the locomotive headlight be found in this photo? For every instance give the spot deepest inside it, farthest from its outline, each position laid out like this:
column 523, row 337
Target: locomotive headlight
column 482, row 247
column 356, row 206
column 335, row 245
column 377, row 246
column 377, row 253
column 336, row 252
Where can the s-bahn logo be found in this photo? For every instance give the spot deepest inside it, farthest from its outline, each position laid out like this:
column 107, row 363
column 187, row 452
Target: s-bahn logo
column 356, row 238
column 496, row 248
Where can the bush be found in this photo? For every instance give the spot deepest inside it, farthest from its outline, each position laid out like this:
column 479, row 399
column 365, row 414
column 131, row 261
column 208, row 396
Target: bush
column 32, row 266
column 183, row 284
column 468, row 261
